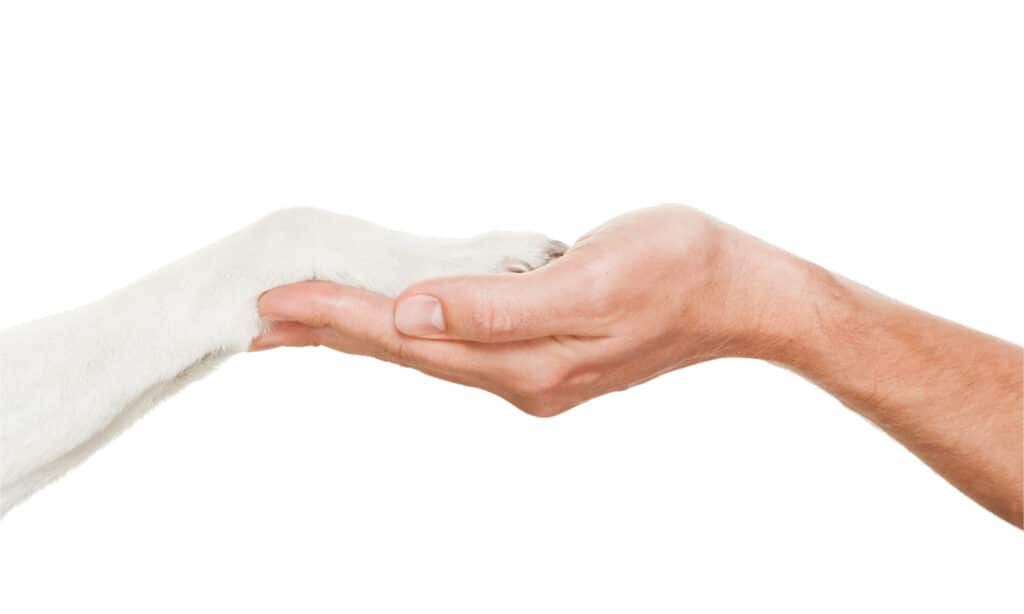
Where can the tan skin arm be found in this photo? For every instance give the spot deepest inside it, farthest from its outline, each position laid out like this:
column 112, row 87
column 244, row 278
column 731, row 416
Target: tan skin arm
column 660, row 289
column 950, row 394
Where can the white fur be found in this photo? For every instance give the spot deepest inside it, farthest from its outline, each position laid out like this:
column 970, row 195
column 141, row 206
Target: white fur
column 71, row 382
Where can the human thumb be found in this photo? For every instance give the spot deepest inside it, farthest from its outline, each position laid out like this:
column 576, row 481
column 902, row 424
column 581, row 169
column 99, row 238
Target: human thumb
column 491, row 308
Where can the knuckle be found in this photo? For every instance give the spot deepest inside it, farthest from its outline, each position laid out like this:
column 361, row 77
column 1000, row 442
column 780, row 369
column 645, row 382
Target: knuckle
column 399, row 351
column 542, row 408
column 542, row 382
column 489, row 322
column 554, row 388
column 315, row 338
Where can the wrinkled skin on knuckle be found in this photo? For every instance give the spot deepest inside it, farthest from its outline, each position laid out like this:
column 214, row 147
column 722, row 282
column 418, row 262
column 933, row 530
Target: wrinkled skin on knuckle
column 545, row 390
column 491, row 323
column 585, row 380
column 543, row 378
column 398, row 351
column 317, row 338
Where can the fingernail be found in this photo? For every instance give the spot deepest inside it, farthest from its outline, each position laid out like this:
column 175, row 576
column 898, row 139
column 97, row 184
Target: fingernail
column 419, row 315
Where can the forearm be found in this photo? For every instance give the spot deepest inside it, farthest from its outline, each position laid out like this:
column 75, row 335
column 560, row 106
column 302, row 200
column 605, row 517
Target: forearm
column 74, row 380
column 950, row 394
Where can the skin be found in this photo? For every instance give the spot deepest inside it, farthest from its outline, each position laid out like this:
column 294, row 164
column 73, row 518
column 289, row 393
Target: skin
column 663, row 288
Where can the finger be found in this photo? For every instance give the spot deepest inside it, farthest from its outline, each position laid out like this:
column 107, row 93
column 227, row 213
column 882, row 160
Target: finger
column 497, row 308
column 294, row 334
column 360, row 322
column 321, row 303
column 282, row 334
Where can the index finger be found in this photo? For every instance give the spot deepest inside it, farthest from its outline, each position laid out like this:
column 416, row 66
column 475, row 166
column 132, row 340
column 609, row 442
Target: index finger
column 361, row 321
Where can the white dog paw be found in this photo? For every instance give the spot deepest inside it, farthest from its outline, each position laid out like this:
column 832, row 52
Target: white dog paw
column 512, row 252
column 307, row 243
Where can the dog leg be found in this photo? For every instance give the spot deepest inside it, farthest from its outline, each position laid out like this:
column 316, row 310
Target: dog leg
column 71, row 382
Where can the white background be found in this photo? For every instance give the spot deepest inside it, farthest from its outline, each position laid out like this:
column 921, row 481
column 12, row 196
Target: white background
column 880, row 139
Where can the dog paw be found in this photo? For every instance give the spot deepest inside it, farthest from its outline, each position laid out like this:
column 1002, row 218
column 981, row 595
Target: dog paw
column 513, row 252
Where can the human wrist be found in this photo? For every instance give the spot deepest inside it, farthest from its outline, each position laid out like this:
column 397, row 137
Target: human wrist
column 809, row 316
column 784, row 306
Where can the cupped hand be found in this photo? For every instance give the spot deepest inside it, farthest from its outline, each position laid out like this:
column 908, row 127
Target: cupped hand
column 646, row 293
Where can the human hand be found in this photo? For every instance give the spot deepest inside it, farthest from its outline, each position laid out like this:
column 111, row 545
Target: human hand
column 646, row 293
